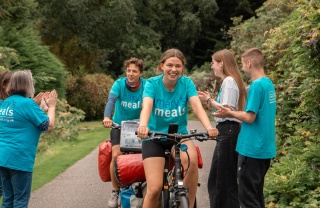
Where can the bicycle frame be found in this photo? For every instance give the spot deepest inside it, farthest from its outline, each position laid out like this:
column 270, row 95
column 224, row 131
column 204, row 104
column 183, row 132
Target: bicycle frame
column 176, row 187
column 174, row 193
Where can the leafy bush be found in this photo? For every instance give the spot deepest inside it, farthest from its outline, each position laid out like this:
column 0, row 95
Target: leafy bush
column 89, row 93
column 64, row 128
column 205, row 80
column 296, row 44
column 289, row 34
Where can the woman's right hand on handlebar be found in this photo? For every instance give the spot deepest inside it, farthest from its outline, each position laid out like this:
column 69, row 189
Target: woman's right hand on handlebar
column 143, row 132
column 107, row 122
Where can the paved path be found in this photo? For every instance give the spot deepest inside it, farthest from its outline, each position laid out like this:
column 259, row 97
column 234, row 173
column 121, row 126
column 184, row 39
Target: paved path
column 80, row 186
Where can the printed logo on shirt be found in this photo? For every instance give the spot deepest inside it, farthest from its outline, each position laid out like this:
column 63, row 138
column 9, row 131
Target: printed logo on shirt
column 131, row 101
column 272, row 96
column 6, row 112
column 172, row 108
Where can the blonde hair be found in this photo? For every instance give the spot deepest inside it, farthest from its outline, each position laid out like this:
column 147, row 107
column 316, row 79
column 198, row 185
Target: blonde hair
column 255, row 56
column 168, row 54
column 230, row 68
column 21, row 82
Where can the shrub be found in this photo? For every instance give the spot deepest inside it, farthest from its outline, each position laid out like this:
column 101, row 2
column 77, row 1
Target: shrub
column 89, row 93
column 64, row 127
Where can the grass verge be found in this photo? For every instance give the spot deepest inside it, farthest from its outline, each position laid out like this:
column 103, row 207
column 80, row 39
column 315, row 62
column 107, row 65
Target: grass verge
column 62, row 155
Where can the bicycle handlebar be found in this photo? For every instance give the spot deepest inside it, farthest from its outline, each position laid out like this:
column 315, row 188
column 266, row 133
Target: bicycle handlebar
column 202, row 136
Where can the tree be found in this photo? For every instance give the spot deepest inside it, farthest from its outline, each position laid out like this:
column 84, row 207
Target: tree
column 17, row 31
column 96, row 35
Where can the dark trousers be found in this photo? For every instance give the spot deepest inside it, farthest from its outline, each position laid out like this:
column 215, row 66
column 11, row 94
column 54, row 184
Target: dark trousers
column 251, row 175
column 0, row 187
column 222, row 182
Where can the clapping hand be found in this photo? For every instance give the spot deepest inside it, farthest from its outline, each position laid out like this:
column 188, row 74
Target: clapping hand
column 51, row 99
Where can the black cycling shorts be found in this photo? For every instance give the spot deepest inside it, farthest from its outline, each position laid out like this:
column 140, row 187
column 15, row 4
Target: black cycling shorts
column 115, row 136
column 151, row 148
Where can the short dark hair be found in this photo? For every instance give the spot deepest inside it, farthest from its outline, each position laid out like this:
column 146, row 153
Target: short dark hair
column 135, row 61
column 256, row 57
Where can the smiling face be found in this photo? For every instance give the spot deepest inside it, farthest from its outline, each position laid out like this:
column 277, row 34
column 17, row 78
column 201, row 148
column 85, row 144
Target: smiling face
column 172, row 68
column 217, row 68
column 133, row 73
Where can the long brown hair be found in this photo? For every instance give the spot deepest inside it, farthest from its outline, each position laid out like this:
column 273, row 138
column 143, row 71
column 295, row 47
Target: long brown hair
column 4, row 80
column 230, row 68
column 168, row 54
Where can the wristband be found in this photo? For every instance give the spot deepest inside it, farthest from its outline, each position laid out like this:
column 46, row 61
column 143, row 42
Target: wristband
column 208, row 100
column 210, row 127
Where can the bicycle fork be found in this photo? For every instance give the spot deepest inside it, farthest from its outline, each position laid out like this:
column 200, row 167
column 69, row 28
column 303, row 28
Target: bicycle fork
column 166, row 184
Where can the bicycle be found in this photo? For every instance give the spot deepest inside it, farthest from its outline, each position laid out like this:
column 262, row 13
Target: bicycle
column 174, row 193
column 132, row 186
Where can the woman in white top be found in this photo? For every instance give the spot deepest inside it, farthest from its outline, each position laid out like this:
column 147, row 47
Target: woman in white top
column 222, row 182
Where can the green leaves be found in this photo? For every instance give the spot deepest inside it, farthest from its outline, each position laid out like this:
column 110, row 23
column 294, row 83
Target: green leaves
column 288, row 33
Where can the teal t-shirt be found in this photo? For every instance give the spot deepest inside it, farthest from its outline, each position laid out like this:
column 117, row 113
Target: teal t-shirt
column 129, row 104
column 169, row 106
column 257, row 140
column 20, row 118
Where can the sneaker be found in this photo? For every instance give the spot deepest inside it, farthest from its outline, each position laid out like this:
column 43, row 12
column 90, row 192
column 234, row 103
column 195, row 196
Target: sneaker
column 113, row 201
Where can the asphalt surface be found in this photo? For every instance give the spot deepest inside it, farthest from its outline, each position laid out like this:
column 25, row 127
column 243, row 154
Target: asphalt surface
column 81, row 187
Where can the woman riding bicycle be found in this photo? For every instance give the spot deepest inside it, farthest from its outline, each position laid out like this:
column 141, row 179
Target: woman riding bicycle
column 126, row 96
column 165, row 101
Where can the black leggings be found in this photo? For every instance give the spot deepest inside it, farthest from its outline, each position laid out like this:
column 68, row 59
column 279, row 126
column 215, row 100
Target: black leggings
column 115, row 136
column 152, row 148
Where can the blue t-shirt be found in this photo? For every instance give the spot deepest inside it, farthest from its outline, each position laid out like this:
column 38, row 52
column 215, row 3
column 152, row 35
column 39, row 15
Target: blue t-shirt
column 129, row 104
column 257, row 140
column 20, row 118
column 169, row 106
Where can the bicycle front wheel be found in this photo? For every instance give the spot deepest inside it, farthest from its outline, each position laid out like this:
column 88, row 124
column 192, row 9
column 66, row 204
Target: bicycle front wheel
column 184, row 202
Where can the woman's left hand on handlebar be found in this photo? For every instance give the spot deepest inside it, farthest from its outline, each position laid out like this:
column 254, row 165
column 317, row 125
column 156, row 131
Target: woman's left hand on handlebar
column 212, row 132
column 143, row 132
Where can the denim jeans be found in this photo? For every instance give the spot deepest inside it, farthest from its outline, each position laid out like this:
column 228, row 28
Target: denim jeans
column 222, row 182
column 16, row 188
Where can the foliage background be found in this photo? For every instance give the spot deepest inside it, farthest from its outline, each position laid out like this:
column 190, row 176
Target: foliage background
column 78, row 47
column 289, row 34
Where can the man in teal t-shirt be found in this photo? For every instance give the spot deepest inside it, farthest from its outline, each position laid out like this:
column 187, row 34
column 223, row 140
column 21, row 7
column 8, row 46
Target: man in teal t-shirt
column 125, row 102
column 256, row 142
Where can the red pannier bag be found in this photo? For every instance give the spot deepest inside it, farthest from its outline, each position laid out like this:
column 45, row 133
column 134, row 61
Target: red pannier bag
column 104, row 160
column 129, row 169
column 200, row 161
